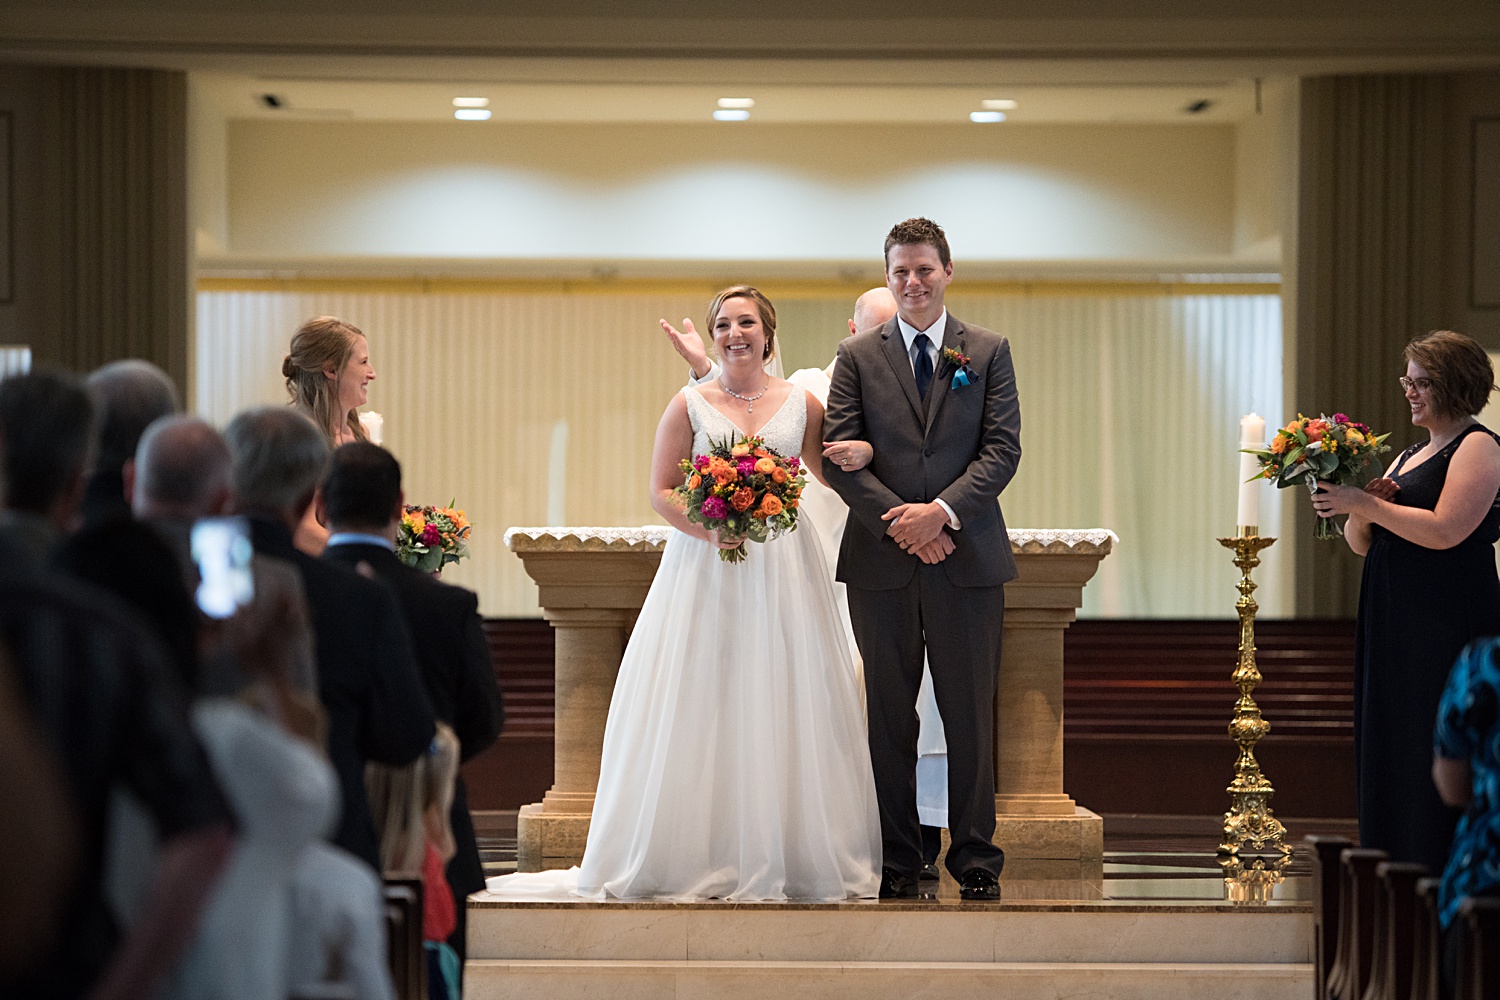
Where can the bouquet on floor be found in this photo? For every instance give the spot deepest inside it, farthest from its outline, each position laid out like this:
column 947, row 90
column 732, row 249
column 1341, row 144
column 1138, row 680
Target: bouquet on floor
column 1313, row 450
column 742, row 489
column 430, row 538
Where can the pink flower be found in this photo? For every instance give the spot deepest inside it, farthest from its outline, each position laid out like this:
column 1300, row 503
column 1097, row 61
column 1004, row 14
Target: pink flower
column 794, row 463
column 747, row 466
column 715, row 508
column 1339, row 418
column 700, row 463
column 431, row 537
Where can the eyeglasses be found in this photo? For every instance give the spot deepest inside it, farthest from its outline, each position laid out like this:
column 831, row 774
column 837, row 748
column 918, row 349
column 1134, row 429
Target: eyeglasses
column 1419, row 384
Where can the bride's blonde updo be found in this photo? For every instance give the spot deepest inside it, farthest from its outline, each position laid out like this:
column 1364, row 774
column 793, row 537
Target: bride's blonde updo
column 762, row 304
column 321, row 343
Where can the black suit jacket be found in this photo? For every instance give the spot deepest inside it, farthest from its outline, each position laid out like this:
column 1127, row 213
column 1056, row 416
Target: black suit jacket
column 457, row 672
column 368, row 679
column 961, row 445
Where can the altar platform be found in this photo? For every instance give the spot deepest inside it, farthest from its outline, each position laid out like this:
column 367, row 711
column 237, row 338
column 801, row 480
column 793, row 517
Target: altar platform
column 1149, row 921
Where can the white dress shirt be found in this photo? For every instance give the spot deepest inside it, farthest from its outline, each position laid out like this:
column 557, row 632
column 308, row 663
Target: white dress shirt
column 934, row 333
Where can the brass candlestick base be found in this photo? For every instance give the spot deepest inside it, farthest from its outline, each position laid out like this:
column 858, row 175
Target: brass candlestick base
column 1253, row 853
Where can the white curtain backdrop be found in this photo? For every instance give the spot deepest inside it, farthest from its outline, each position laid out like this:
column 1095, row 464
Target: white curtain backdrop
column 541, row 407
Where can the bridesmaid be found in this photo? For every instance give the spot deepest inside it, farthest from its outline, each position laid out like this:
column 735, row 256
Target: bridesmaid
column 328, row 375
column 1427, row 530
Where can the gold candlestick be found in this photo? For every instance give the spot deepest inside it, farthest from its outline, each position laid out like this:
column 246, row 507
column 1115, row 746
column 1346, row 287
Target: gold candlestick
column 1249, row 823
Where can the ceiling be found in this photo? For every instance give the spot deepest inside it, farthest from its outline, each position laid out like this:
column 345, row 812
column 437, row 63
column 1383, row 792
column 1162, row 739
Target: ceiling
column 246, row 96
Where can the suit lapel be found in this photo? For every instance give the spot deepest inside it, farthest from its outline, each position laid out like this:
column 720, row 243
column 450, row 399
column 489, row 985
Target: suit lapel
column 943, row 379
column 895, row 353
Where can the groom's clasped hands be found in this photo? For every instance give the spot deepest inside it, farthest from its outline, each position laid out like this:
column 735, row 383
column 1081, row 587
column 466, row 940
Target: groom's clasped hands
column 918, row 529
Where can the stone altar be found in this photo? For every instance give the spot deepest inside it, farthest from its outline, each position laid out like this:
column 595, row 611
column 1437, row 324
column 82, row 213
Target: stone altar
column 591, row 583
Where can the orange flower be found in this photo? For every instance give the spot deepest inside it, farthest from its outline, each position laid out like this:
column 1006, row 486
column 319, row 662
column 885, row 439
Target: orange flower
column 764, row 466
column 695, row 482
column 740, row 449
column 778, row 475
column 761, row 453
column 1278, row 445
column 769, row 507
column 742, row 498
column 792, row 503
column 1316, row 429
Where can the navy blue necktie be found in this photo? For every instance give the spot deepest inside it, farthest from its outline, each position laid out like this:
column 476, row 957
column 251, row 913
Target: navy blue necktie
column 922, row 363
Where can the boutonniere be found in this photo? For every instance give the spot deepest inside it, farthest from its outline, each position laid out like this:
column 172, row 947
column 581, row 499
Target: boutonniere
column 958, row 363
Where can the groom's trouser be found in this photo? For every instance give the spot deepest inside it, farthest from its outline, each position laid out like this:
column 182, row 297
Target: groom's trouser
column 961, row 629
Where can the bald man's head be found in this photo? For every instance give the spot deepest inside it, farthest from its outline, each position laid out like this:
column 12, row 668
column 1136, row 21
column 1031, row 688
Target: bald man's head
column 872, row 309
column 182, row 470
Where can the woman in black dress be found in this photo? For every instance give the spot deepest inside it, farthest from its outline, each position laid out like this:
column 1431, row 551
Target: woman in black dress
column 1427, row 530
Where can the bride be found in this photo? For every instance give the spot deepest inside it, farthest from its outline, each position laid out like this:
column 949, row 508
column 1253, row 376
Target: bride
column 735, row 763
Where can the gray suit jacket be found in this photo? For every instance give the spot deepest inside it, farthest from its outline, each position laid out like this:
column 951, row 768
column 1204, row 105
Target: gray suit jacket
column 964, row 450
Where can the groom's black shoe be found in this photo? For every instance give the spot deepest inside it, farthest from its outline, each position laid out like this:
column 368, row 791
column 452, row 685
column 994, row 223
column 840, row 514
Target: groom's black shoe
column 929, row 872
column 894, row 885
column 976, row 883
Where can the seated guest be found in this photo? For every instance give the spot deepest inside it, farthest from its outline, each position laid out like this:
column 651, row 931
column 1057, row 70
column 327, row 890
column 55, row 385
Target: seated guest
column 48, row 424
column 100, row 691
column 368, row 679
column 264, row 734
column 128, row 395
column 1466, row 770
column 362, row 502
column 39, row 835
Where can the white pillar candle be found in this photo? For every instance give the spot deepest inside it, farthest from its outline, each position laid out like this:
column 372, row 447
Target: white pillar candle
column 374, row 425
column 1252, row 435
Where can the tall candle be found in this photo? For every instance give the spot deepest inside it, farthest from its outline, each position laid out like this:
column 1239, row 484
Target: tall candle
column 374, row 425
column 1252, row 435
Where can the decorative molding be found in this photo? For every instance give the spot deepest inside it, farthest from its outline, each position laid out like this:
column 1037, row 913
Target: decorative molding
column 1024, row 541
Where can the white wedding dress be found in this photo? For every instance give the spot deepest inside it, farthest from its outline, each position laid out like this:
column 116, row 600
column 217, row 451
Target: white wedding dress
column 735, row 762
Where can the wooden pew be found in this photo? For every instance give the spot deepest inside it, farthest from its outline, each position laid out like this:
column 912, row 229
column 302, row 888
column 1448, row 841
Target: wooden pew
column 1350, row 976
column 1427, row 942
column 403, row 914
column 1324, row 852
column 1478, row 927
column 1396, row 903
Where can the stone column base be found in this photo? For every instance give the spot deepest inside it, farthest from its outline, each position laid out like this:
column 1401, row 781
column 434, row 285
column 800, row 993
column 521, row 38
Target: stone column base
column 549, row 839
column 1079, row 837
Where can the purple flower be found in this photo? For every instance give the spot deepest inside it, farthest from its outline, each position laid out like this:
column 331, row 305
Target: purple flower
column 700, row 463
column 747, row 466
column 715, row 508
column 431, row 536
column 793, row 463
column 1340, row 418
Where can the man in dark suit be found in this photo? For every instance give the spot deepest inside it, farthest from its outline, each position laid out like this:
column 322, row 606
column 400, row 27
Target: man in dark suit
column 363, row 504
column 925, row 553
column 367, row 676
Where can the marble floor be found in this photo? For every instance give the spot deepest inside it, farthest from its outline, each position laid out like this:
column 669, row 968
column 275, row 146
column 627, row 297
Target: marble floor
column 1147, row 860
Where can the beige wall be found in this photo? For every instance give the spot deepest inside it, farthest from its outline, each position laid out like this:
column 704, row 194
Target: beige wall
column 715, row 192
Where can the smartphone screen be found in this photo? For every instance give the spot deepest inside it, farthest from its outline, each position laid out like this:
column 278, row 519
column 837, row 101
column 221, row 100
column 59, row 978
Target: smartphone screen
column 221, row 548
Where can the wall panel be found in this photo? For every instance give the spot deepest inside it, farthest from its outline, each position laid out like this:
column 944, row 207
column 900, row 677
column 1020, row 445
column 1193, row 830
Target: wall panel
column 1130, row 406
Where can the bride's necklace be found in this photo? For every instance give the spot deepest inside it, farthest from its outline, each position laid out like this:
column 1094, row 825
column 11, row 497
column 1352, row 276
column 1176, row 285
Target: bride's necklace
column 748, row 399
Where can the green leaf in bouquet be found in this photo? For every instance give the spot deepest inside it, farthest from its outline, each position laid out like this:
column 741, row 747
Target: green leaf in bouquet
column 1293, row 475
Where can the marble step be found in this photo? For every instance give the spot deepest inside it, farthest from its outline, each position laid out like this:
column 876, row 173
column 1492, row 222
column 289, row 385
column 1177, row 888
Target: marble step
column 493, row 979
column 875, row 933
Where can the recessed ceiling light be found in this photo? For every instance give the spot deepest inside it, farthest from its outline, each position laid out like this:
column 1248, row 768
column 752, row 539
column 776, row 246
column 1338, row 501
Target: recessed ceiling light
column 731, row 115
column 737, row 102
column 471, row 102
column 986, row 116
column 472, row 115
column 1003, row 104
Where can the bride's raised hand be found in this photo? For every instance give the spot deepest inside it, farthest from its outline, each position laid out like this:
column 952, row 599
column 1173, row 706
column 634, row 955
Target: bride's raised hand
column 687, row 343
column 850, row 456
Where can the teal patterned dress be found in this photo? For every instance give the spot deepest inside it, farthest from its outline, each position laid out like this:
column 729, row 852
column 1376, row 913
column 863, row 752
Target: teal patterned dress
column 1468, row 728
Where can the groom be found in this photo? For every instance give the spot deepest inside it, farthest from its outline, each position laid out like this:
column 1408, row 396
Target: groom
column 925, row 554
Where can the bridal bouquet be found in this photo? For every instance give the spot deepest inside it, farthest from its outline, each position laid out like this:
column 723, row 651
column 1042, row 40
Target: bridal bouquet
column 430, row 538
column 742, row 490
column 1320, row 449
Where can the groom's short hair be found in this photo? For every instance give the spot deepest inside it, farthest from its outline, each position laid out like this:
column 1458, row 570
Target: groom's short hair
column 915, row 232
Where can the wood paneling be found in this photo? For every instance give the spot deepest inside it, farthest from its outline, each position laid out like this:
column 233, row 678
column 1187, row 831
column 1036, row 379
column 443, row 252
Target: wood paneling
column 1146, row 712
